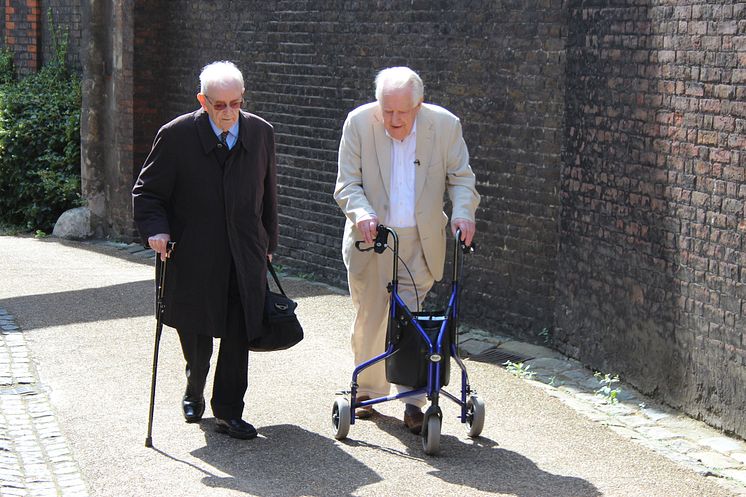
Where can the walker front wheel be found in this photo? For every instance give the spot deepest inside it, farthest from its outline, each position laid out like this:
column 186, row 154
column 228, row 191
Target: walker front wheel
column 474, row 415
column 341, row 417
column 431, row 435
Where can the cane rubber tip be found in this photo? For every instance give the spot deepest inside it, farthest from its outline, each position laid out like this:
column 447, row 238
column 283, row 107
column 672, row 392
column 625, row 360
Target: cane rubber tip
column 149, row 442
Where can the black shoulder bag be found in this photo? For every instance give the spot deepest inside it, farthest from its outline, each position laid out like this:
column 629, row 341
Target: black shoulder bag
column 282, row 329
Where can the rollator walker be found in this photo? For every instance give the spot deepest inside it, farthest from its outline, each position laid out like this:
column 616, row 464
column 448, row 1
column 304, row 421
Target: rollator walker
column 419, row 346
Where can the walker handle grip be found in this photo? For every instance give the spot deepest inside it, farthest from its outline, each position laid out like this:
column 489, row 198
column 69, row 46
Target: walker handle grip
column 379, row 244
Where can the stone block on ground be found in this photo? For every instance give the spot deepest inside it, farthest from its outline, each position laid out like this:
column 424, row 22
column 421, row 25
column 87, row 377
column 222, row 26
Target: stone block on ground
column 74, row 224
column 474, row 347
column 723, row 444
column 530, row 350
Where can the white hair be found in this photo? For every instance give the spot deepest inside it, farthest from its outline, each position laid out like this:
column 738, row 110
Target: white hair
column 395, row 78
column 221, row 74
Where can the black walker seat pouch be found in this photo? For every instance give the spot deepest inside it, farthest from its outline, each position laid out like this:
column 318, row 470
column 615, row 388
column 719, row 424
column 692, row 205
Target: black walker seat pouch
column 408, row 365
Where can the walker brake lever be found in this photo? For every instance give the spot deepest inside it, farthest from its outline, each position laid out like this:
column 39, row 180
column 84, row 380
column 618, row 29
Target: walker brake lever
column 357, row 246
column 468, row 249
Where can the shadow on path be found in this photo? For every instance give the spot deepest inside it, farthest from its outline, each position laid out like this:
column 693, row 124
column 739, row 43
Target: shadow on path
column 480, row 464
column 284, row 461
column 121, row 301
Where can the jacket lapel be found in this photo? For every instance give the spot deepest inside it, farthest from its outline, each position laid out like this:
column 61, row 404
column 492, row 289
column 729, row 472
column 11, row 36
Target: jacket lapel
column 383, row 151
column 206, row 134
column 423, row 150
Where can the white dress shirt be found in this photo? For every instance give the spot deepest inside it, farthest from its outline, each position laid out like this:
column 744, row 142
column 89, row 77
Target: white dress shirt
column 401, row 210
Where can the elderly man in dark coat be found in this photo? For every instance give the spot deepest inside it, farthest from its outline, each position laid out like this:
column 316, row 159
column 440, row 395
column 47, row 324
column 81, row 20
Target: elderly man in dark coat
column 209, row 185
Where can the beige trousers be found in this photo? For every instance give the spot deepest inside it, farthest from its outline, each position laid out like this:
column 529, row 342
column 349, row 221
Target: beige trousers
column 371, row 301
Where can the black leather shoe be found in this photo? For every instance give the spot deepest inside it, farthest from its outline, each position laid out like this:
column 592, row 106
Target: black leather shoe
column 193, row 409
column 236, row 428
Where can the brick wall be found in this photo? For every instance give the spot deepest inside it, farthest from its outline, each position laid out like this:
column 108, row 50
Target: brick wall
column 651, row 259
column 149, row 96
column 22, row 33
column 497, row 65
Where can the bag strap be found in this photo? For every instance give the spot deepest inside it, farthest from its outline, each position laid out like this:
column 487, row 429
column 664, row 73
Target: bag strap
column 274, row 276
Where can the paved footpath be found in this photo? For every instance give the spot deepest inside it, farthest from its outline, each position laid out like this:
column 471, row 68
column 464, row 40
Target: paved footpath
column 34, row 456
column 76, row 323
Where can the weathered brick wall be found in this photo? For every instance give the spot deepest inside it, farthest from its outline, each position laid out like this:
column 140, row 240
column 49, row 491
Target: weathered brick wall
column 498, row 65
column 148, row 95
column 22, row 33
column 107, row 120
column 651, row 259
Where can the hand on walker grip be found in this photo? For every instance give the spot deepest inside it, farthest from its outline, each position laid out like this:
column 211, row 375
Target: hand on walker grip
column 468, row 229
column 367, row 228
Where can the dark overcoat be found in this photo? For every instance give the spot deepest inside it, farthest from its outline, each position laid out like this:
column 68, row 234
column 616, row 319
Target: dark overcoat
column 215, row 214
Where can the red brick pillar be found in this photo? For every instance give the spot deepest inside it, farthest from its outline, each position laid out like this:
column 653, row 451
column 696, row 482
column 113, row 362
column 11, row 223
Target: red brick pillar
column 23, row 33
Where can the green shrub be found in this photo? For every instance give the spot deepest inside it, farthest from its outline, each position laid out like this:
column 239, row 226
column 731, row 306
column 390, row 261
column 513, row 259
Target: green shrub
column 39, row 146
column 7, row 69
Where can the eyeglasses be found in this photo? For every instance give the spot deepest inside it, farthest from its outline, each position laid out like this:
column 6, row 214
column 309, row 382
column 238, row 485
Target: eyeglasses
column 236, row 104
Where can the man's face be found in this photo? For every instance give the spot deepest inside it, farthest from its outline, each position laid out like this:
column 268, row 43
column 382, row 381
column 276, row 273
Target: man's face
column 398, row 112
column 222, row 105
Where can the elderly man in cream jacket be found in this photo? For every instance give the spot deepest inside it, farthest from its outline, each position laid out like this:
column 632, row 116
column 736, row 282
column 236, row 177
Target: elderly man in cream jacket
column 397, row 158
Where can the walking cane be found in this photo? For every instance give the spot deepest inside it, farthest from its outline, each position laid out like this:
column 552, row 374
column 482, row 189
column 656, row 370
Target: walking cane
column 160, row 280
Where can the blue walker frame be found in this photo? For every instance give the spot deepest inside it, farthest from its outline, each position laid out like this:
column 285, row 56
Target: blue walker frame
column 468, row 401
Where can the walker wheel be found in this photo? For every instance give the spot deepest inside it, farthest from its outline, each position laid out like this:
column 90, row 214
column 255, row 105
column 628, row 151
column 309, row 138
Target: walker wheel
column 341, row 418
column 474, row 415
column 431, row 435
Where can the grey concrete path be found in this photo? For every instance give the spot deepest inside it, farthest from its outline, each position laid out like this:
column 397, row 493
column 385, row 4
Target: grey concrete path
column 75, row 360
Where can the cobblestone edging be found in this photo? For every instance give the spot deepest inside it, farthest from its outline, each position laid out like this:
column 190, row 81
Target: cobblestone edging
column 35, row 459
column 688, row 442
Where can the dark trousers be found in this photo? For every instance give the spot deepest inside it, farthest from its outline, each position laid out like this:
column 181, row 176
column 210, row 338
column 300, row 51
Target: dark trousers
column 231, row 371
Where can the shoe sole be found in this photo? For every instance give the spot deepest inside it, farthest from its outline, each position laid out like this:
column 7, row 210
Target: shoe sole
column 414, row 429
column 233, row 434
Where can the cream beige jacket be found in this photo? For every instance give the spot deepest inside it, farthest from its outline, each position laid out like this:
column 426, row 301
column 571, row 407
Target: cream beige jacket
column 364, row 177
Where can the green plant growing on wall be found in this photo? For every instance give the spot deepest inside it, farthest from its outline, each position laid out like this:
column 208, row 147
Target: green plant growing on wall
column 607, row 390
column 60, row 42
column 40, row 143
column 519, row 369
